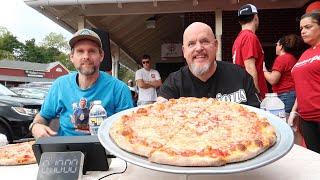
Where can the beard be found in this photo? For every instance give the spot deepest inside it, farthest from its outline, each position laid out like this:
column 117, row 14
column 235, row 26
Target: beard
column 198, row 70
column 87, row 71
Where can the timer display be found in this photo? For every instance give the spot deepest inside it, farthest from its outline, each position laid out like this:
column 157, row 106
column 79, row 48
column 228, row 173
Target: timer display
column 61, row 165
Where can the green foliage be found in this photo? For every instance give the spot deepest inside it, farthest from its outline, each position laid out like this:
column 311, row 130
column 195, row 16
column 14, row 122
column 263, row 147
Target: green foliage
column 54, row 40
column 53, row 48
column 125, row 74
column 9, row 44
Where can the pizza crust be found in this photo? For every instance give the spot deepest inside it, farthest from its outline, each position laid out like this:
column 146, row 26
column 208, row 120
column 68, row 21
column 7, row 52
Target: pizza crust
column 123, row 142
column 178, row 160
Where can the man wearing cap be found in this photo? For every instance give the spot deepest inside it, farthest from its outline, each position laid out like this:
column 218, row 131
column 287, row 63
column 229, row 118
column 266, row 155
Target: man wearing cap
column 247, row 50
column 87, row 83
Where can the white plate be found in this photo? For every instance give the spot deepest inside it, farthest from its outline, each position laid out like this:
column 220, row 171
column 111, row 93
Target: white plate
column 279, row 149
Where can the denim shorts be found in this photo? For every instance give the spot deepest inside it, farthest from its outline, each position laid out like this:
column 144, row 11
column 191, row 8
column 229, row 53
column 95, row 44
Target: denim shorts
column 288, row 99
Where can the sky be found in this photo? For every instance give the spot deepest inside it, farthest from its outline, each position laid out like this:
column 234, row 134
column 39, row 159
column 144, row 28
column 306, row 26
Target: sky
column 26, row 23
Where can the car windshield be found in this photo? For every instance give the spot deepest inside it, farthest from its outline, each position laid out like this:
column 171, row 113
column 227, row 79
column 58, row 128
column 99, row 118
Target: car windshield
column 4, row 91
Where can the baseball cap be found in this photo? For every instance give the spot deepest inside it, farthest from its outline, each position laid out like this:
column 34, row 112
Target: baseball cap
column 85, row 34
column 247, row 9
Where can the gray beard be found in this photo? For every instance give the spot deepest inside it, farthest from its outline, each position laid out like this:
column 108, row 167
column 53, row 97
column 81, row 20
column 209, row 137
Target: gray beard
column 87, row 72
column 199, row 71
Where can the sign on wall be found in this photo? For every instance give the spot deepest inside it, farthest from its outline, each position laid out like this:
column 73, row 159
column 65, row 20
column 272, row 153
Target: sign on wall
column 31, row 73
column 171, row 50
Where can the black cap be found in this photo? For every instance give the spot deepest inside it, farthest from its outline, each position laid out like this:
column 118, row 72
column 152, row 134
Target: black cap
column 247, row 9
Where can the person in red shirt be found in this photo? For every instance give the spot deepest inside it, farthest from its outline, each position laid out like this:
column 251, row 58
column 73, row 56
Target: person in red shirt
column 288, row 49
column 306, row 76
column 247, row 50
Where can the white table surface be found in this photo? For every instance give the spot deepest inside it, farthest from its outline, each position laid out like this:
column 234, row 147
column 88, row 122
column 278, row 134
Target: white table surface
column 298, row 164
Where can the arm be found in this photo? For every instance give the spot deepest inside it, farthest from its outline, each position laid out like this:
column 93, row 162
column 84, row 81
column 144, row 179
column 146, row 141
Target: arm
column 156, row 83
column 40, row 129
column 251, row 92
column 142, row 84
column 294, row 116
column 122, row 98
column 272, row 77
column 169, row 89
column 251, row 69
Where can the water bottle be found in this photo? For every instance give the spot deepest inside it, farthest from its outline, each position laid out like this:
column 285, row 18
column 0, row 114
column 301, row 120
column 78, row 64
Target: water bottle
column 264, row 101
column 275, row 106
column 96, row 116
column 3, row 140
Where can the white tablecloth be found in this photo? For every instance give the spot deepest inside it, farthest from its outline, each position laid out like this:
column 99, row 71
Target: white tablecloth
column 298, row 164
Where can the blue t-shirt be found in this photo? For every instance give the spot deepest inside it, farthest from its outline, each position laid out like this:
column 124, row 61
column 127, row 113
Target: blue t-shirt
column 69, row 103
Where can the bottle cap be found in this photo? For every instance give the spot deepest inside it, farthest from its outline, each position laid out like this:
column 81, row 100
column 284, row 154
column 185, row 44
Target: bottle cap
column 97, row 102
column 271, row 94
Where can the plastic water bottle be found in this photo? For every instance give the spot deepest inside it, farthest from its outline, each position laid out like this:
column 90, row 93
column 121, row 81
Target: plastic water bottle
column 264, row 101
column 3, row 140
column 275, row 106
column 96, row 116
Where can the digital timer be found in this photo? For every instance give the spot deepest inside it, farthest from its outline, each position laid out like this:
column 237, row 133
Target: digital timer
column 61, row 165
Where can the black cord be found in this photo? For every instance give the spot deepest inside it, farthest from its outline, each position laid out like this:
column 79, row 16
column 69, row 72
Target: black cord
column 115, row 172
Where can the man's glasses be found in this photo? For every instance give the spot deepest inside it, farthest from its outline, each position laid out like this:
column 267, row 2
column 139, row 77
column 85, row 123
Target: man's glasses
column 145, row 62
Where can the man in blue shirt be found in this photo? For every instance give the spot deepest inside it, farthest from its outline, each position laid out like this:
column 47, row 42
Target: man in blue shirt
column 88, row 84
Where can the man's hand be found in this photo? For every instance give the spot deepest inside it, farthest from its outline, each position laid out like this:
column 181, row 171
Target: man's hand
column 40, row 130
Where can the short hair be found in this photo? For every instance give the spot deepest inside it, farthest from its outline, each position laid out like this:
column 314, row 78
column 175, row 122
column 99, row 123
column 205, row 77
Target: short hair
column 146, row 56
column 245, row 19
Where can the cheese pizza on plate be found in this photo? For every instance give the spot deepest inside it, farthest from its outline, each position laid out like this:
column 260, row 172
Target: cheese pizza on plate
column 193, row 132
column 17, row 154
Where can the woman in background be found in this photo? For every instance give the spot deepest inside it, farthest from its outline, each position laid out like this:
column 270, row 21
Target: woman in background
column 306, row 75
column 288, row 49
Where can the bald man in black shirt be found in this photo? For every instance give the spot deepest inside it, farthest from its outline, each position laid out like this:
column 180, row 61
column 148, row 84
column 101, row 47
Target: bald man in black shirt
column 206, row 77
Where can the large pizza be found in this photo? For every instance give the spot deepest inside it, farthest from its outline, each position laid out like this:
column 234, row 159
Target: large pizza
column 193, row 132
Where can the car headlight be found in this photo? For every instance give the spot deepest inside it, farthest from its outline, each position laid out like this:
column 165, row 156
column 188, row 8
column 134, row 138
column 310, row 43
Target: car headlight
column 25, row 111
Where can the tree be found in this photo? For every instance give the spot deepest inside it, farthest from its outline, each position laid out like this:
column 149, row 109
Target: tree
column 32, row 53
column 10, row 47
column 125, row 74
column 54, row 40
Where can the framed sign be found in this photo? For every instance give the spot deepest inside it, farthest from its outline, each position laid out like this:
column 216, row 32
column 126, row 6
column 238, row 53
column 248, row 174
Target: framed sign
column 61, row 165
column 171, row 50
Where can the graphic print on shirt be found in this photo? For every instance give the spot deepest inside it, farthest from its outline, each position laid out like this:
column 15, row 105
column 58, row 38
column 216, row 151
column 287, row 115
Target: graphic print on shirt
column 237, row 97
column 80, row 115
column 307, row 61
column 153, row 76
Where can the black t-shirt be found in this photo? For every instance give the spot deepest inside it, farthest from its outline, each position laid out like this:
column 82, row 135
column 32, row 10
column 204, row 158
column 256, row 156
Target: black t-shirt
column 229, row 82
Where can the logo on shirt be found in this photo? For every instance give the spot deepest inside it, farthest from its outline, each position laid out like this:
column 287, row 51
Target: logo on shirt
column 237, row 97
column 153, row 75
column 307, row 61
column 80, row 116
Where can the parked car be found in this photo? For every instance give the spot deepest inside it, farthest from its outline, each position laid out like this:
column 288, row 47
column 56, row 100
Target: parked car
column 37, row 85
column 16, row 114
column 36, row 93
